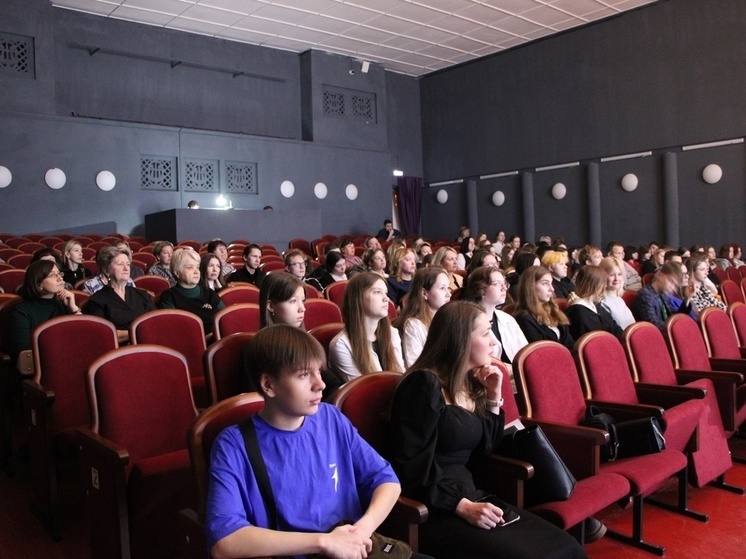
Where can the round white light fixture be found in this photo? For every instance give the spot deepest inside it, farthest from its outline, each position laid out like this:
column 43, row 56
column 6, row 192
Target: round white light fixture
column 55, row 178
column 559, row 191
column 629, row 182
column 351, row 192
column 287, row 189
column 498, row 198
column 441, row 196
column 106, row 180
column 5, row 176
column 712, row 173
column 320, row 190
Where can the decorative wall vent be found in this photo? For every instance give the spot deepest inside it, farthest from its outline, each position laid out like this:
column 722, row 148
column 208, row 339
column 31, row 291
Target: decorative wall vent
column 334, row 103
column 349, row 103
column 363, row 107
column 158, row 172
column 241, row 176
column 16, row 55
column 200, row 175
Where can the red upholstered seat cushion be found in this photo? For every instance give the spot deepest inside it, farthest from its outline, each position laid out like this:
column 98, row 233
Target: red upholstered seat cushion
column 608, row 373
column 591, row 493
column 646, row 474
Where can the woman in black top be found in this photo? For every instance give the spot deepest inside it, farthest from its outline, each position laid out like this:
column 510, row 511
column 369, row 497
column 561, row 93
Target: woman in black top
column 189, row 294
column 536, row 309
column 116, row 301
column 445, row 411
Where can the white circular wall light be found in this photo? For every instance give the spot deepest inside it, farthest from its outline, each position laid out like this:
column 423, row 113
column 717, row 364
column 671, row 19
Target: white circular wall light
column 320, row 190
column 351, row 192
column 441, row 196
column 55, row 178
column 629, row 182
column 498, row 198
column 6, row 177
column 559, row 191
column 287, row 189
column 712, row 173
column 106, row 180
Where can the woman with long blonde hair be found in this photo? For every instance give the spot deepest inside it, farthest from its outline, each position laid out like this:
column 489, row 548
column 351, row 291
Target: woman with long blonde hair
column 447, row 258
column 403, row 268
column 368, row 343
column 612, row 300
column 584, row 309
column 536, row 309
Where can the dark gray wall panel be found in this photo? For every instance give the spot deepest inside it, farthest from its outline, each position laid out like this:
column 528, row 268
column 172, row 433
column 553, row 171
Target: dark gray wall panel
column 713, row 213
column 509, row 216
column 632, row 218
column 668, row 74
column 131, row 78
column 443, row 220
column 564, row 217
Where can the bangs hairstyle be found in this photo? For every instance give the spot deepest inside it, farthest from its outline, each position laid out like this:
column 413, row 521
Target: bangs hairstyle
column 353, row 315
column 159, row 246
column 106, row 255
column 590, row 283
column 35, row 274
column 370, row 253
column 276, row 349
column 694, row 261
column 447, row 350
column 277, row 287
column 478, row 282
column 414, row 304
column 546, row 314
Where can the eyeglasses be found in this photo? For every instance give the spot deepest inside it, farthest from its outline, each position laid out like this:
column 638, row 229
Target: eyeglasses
column 297, row 264
column 54, row 275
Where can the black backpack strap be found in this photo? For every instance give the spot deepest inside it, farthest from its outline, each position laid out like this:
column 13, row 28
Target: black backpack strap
column 260, row 470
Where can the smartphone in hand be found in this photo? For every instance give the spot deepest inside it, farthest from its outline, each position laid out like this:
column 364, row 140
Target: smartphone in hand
column 509, row 516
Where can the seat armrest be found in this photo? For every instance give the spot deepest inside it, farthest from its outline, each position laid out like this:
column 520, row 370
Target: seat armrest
column 734, row 365
column 192, row 540
column 743, row 352
column 103, row 479
column 667, row 396
column 502, row 476
column 725, row 385
column 626, row 412
column 578, row 446
column 403, row 521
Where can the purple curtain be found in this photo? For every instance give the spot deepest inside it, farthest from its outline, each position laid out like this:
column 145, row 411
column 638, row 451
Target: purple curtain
column 409, row 190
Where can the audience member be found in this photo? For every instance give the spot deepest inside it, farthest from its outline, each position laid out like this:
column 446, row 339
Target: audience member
column 702, row 296
column 220, row 249
column 368, row 343
column 446, row 258
column 402, row 272
column 340, row 478
column 189, row 294
column 116, row 301
column 388, row 232
column 429, row 292
column 334, row 269
column 296, row 262
column 584, row 310
column 347, row 248
column 632, row 280
column 612, row 300
column 210, row 271
column 447, row 410
column 488, row 288
column 73, row 270
column 466, row 250
column 557, row 263
column 536, row 310
column 163, row 250
column 251, row 272
column 44, row 297
column 653, row 302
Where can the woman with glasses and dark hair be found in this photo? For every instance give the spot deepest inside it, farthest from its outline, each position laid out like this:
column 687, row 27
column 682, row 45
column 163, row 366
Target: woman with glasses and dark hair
column 44, row 297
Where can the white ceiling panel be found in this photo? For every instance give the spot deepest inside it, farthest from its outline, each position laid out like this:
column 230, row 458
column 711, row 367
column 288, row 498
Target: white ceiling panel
column 409, row 36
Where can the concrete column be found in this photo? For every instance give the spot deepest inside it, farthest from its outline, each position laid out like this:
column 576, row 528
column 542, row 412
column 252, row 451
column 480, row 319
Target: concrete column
column 671, row 199
column 529, row 218
column 594, row 204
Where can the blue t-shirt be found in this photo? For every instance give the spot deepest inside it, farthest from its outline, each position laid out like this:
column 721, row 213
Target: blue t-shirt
column 320, row 474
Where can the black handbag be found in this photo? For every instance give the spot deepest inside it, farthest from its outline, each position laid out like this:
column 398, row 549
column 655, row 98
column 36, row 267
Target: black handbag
column 552, row 481
column 639, row 436
column 635, row 437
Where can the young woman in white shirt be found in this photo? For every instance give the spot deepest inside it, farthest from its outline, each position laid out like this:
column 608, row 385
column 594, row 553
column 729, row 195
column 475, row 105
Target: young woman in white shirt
column 429, row 292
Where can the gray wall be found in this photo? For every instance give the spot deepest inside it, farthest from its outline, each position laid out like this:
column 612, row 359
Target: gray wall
column 657, row 78
column 85, row 113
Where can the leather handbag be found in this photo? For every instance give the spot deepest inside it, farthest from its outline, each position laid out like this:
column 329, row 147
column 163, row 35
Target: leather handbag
column 639, row 436
column 626, row 438
column 552, row 480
